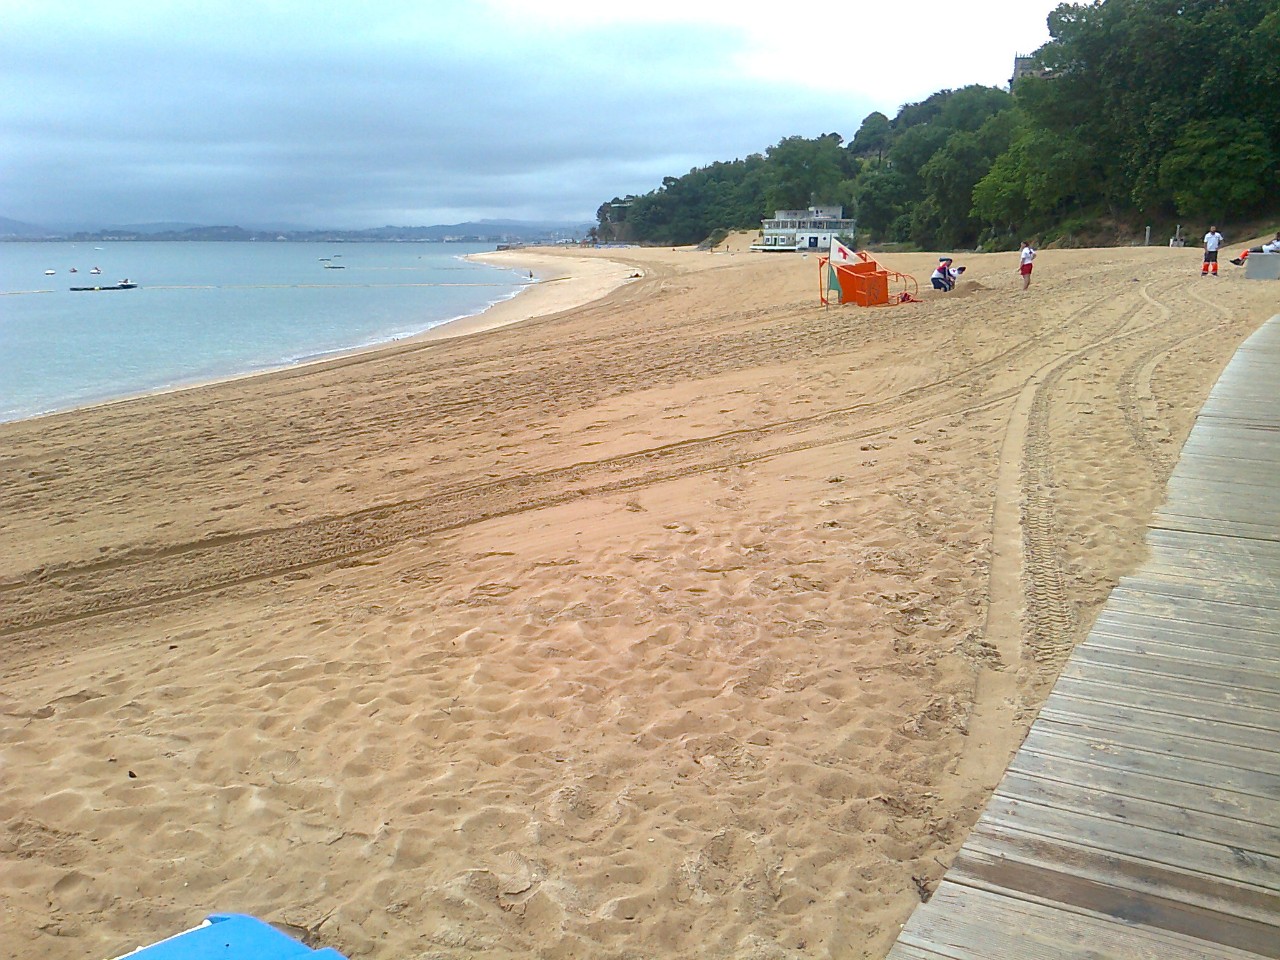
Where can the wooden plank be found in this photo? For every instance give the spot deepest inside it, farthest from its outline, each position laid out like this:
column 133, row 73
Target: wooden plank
column 1241, row 402
column 1146, row 813
column 1139, row 624
column 1216, row 580
column 1231, row 430
column 1136, row 759
column 1264, row 638
column 1224, row 528
column 1075, row 878
column 1175, row 702
column 1224, row 425
column 1244, row 378
column 1205, row 694
column 1174, row 745
column 1247, row 400
column 1258, row 591
column 1246, row 386
column 1206, row 613
column 970, row 923
column 1147, row 847
column 1225, row 499
column 1151, row 660
column 1068, row 709
column 1200, row 473
column 1211, row 798
column 1240, row 408
column 1231, row 443
column 1244, row 498
column 1210, row 430
column 1222, row 465
column 1187, row 645
column 1248, row 449
column 902, row 951
column 1211, row 599
column 1214, row 564
column 1180, row 652
column 1211, row 552
column 1198, row 545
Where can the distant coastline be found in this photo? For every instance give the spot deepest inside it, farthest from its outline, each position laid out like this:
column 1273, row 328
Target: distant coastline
column 497, row 231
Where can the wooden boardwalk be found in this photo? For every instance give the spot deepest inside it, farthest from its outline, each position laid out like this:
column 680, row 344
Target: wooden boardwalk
column 1141, row 817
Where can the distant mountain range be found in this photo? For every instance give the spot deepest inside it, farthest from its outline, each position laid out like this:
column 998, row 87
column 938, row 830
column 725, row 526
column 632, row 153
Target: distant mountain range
column 478, row 231
column 17, row 230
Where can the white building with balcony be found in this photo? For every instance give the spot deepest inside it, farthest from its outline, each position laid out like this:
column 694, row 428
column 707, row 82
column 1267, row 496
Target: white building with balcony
column 812, row 229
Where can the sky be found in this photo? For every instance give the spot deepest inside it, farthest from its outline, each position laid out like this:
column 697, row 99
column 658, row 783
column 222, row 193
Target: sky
column 393, row 112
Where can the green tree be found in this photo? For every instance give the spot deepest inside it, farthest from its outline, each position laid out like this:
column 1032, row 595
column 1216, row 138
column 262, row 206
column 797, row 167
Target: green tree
column 949, row 178
column 1129, row 76
column 873, row 137
column 1039, row 178
column 804, row 172
column 912, row 149
column 881, row 196
column 1218, row 167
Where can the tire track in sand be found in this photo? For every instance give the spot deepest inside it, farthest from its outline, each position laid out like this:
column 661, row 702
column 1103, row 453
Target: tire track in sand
column 1052, row 619
column 1028, row 614
column 149, row 576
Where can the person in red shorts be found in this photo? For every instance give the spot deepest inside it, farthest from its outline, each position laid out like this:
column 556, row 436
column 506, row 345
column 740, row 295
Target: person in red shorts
column 1024, row 264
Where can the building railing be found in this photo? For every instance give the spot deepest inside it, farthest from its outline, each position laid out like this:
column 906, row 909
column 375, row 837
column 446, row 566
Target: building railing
column 836, row 225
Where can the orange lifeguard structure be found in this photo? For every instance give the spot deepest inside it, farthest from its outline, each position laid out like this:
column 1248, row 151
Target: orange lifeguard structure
column 848, row 276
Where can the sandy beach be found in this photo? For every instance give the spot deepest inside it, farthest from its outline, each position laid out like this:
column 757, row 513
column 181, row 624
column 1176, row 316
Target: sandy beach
column 684, row 618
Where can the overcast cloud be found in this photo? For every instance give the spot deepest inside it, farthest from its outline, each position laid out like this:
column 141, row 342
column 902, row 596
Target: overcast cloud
column 412, row 113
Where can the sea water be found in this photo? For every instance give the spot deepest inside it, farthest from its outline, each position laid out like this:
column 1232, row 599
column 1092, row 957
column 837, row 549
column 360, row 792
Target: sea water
column 210, row 311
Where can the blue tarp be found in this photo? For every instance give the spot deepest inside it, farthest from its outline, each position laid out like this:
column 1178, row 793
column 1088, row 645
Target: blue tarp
column 231, row 936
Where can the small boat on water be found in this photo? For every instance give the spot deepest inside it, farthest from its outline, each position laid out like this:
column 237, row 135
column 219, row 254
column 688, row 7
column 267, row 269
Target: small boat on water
column 73, row 270
column 125, row 284
column 334, row 266
column 50, row 273
column 96, row 271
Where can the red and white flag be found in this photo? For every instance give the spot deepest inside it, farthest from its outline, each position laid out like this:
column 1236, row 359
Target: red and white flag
column 840, row 253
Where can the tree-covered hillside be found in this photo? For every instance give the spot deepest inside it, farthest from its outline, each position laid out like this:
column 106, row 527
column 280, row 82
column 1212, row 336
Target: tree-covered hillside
column 1144, row 109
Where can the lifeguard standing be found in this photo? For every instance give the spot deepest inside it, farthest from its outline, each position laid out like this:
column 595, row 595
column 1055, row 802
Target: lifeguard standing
column 1212, row 241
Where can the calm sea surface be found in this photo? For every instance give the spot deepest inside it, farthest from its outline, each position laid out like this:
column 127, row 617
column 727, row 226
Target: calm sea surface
column 208, row 311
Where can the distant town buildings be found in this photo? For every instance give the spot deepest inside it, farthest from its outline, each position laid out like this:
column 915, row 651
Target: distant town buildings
column 811, row 229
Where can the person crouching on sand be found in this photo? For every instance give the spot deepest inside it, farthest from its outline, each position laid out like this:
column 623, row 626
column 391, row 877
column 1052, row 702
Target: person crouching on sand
column 1025, row 257
column 945, row 277
column 1271, row 246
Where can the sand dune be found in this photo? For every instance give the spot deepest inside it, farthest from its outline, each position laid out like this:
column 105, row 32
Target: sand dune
column 695, row 621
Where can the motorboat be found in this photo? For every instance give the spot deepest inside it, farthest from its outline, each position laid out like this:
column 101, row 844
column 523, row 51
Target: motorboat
column 125, row 284
column 96, row 271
